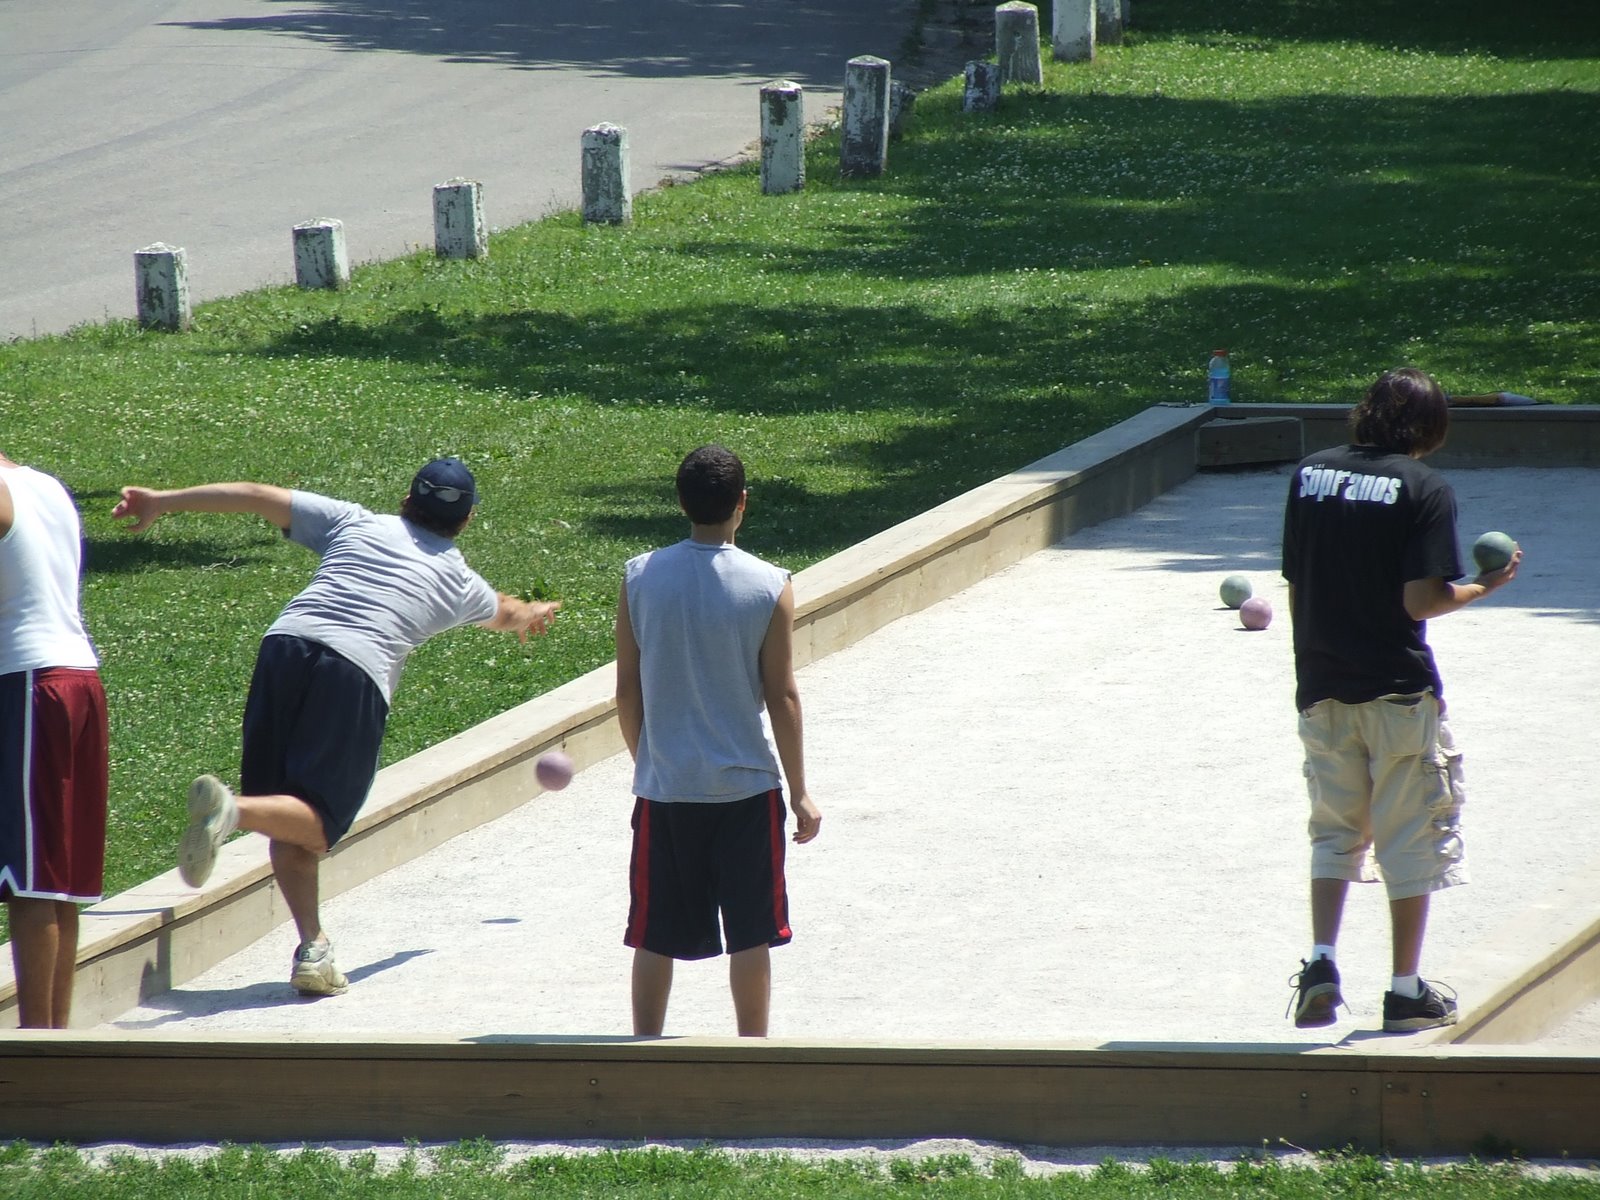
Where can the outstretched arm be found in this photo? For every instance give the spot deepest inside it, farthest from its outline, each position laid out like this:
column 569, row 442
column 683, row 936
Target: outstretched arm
column 144, row 505
column 782, row 696
column 521, row 617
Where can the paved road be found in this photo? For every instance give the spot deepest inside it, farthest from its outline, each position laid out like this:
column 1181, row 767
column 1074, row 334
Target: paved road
column 216, row 125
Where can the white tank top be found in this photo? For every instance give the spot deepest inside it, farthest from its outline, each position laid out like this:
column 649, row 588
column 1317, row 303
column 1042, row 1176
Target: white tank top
column 700, row 613
column 41, row 624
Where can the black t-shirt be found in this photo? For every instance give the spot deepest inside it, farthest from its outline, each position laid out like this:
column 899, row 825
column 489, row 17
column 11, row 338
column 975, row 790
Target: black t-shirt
column 1359, row 524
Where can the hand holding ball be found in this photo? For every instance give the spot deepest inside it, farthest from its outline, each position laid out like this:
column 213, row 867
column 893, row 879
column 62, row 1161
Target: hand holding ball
column 1255, row 613
column 1493, row 551
column 554, row 770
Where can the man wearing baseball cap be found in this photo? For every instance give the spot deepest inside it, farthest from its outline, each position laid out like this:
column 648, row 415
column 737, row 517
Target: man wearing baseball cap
column 327, row 670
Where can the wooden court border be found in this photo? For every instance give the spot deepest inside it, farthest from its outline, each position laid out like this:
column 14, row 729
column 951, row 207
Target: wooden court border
column 1402, row 1097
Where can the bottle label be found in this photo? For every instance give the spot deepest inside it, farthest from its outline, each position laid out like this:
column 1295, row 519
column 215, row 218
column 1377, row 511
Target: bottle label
column 1218, row 391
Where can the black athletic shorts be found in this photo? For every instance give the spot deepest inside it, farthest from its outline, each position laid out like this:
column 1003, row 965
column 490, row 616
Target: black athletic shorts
column 694, row 862
column 313, row 727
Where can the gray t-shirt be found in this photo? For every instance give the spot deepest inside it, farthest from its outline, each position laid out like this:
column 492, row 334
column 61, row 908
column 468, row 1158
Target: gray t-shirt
column 384, row 586
column 700, row 614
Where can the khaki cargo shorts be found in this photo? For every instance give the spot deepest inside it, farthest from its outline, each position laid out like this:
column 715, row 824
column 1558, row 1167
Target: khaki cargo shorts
column 1386, row 794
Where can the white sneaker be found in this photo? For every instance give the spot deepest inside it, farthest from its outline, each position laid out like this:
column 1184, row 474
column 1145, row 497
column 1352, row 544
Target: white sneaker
column 213, row 815
column 314, row 973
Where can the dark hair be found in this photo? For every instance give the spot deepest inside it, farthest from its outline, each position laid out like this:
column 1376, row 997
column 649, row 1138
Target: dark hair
column 411, row 511
column 710, row 483
column 1404, row 412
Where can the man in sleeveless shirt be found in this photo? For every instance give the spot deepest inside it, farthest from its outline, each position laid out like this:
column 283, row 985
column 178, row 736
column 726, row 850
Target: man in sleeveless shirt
column 327, row 671
column 53, row 739
column 1370, row 553
column 710, row 711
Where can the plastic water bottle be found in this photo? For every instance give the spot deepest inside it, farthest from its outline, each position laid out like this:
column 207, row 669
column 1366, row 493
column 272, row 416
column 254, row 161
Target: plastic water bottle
column 1217, row 378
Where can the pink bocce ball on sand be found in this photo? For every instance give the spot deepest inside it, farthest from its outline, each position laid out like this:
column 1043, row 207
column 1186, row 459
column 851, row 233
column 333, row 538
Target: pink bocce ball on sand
column 554, row 770
column 1255, row 613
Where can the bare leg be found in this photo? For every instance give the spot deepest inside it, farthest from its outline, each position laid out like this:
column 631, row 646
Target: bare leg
column 34, row 941
column 1327, row 909
column 750, row 978
column 652, row 985
column 298, row 844
column 66, row 963
column 1408, row 922
column 44, row 954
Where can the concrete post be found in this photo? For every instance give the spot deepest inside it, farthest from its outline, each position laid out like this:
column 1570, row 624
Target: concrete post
column 1016, row 43
column 783, row 137
column 458, row 230
column 982, row 91
column 901, row 99
column 605, row 175
column 320, row 259
column 1108, row 22
column 864, row 136
column 1072, row 30
column 161, row 279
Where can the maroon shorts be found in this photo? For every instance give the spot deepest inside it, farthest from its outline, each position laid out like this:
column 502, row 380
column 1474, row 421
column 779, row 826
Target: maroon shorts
column 53, row 782
column 695, row 862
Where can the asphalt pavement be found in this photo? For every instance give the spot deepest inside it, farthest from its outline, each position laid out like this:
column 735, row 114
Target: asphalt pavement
column 218, row 125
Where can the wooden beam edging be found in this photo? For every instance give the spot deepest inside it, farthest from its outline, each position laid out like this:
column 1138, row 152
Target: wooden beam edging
column 1538, row 968
column 1543, row 435
column 155, row 1088
column 159, row 934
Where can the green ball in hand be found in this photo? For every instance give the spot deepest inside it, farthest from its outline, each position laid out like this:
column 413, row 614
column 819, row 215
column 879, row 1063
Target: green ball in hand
column 1493, row 551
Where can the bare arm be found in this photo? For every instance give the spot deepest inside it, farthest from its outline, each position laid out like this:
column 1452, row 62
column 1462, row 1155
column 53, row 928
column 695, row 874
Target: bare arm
column 144, row 505
column 782, row 696
column 521, row 617
column 8, row 508
column 1434, row 597
column 630, row 689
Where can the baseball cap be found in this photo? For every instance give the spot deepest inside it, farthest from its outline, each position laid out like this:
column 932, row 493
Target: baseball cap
column 444, row 489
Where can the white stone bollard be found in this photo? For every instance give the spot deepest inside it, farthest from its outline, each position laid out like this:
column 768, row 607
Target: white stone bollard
column 320, row 260
column 458, row 230
column 1016, row 43
column 864, row 134
column 161, row 278
column 1072, row 30
column 605, row 175
column 1108, row 22
column 902, row 96
column 982, row 92
column 783, row 137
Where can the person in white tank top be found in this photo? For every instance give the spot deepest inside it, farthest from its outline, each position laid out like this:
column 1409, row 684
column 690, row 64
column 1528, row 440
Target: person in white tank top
column 53, row 743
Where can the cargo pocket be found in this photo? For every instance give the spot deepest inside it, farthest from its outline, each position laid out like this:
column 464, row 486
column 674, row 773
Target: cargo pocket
column 1448, row 796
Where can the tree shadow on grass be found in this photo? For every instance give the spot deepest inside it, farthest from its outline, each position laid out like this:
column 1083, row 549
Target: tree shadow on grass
column 131, row 554
column 1557, row 29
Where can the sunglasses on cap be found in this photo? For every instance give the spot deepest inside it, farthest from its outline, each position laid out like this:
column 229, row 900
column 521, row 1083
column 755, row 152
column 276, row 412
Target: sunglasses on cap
column 448, row 494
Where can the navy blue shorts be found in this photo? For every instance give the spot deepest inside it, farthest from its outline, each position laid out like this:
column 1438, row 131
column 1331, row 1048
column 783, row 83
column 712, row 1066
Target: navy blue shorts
column 313, row 727
column 694, row 862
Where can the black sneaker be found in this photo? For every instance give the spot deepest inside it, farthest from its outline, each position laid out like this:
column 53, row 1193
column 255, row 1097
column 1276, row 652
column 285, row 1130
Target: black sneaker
column 1405, row 1014
column 1316, row 997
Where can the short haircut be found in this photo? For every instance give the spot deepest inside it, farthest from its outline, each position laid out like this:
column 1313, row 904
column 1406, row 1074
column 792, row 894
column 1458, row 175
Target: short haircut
column 1404, row 412
column 411, row 511
column 710, row 483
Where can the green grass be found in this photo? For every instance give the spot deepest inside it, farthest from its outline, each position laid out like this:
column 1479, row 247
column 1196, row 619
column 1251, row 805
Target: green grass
column 477, row 1170
column 1325, row 187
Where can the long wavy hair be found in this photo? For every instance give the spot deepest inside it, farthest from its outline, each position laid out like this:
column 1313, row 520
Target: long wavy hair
column 1404, row 412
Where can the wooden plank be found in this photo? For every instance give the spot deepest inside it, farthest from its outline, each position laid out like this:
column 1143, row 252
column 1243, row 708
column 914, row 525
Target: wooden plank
column 1549, row 1113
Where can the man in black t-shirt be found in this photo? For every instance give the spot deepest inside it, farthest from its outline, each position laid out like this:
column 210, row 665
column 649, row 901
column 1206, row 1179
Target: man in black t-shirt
column 1369, row 550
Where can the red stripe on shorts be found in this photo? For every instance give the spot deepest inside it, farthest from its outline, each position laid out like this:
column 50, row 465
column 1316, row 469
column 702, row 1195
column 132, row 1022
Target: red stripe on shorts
column 780, row 899
column 639, row 913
